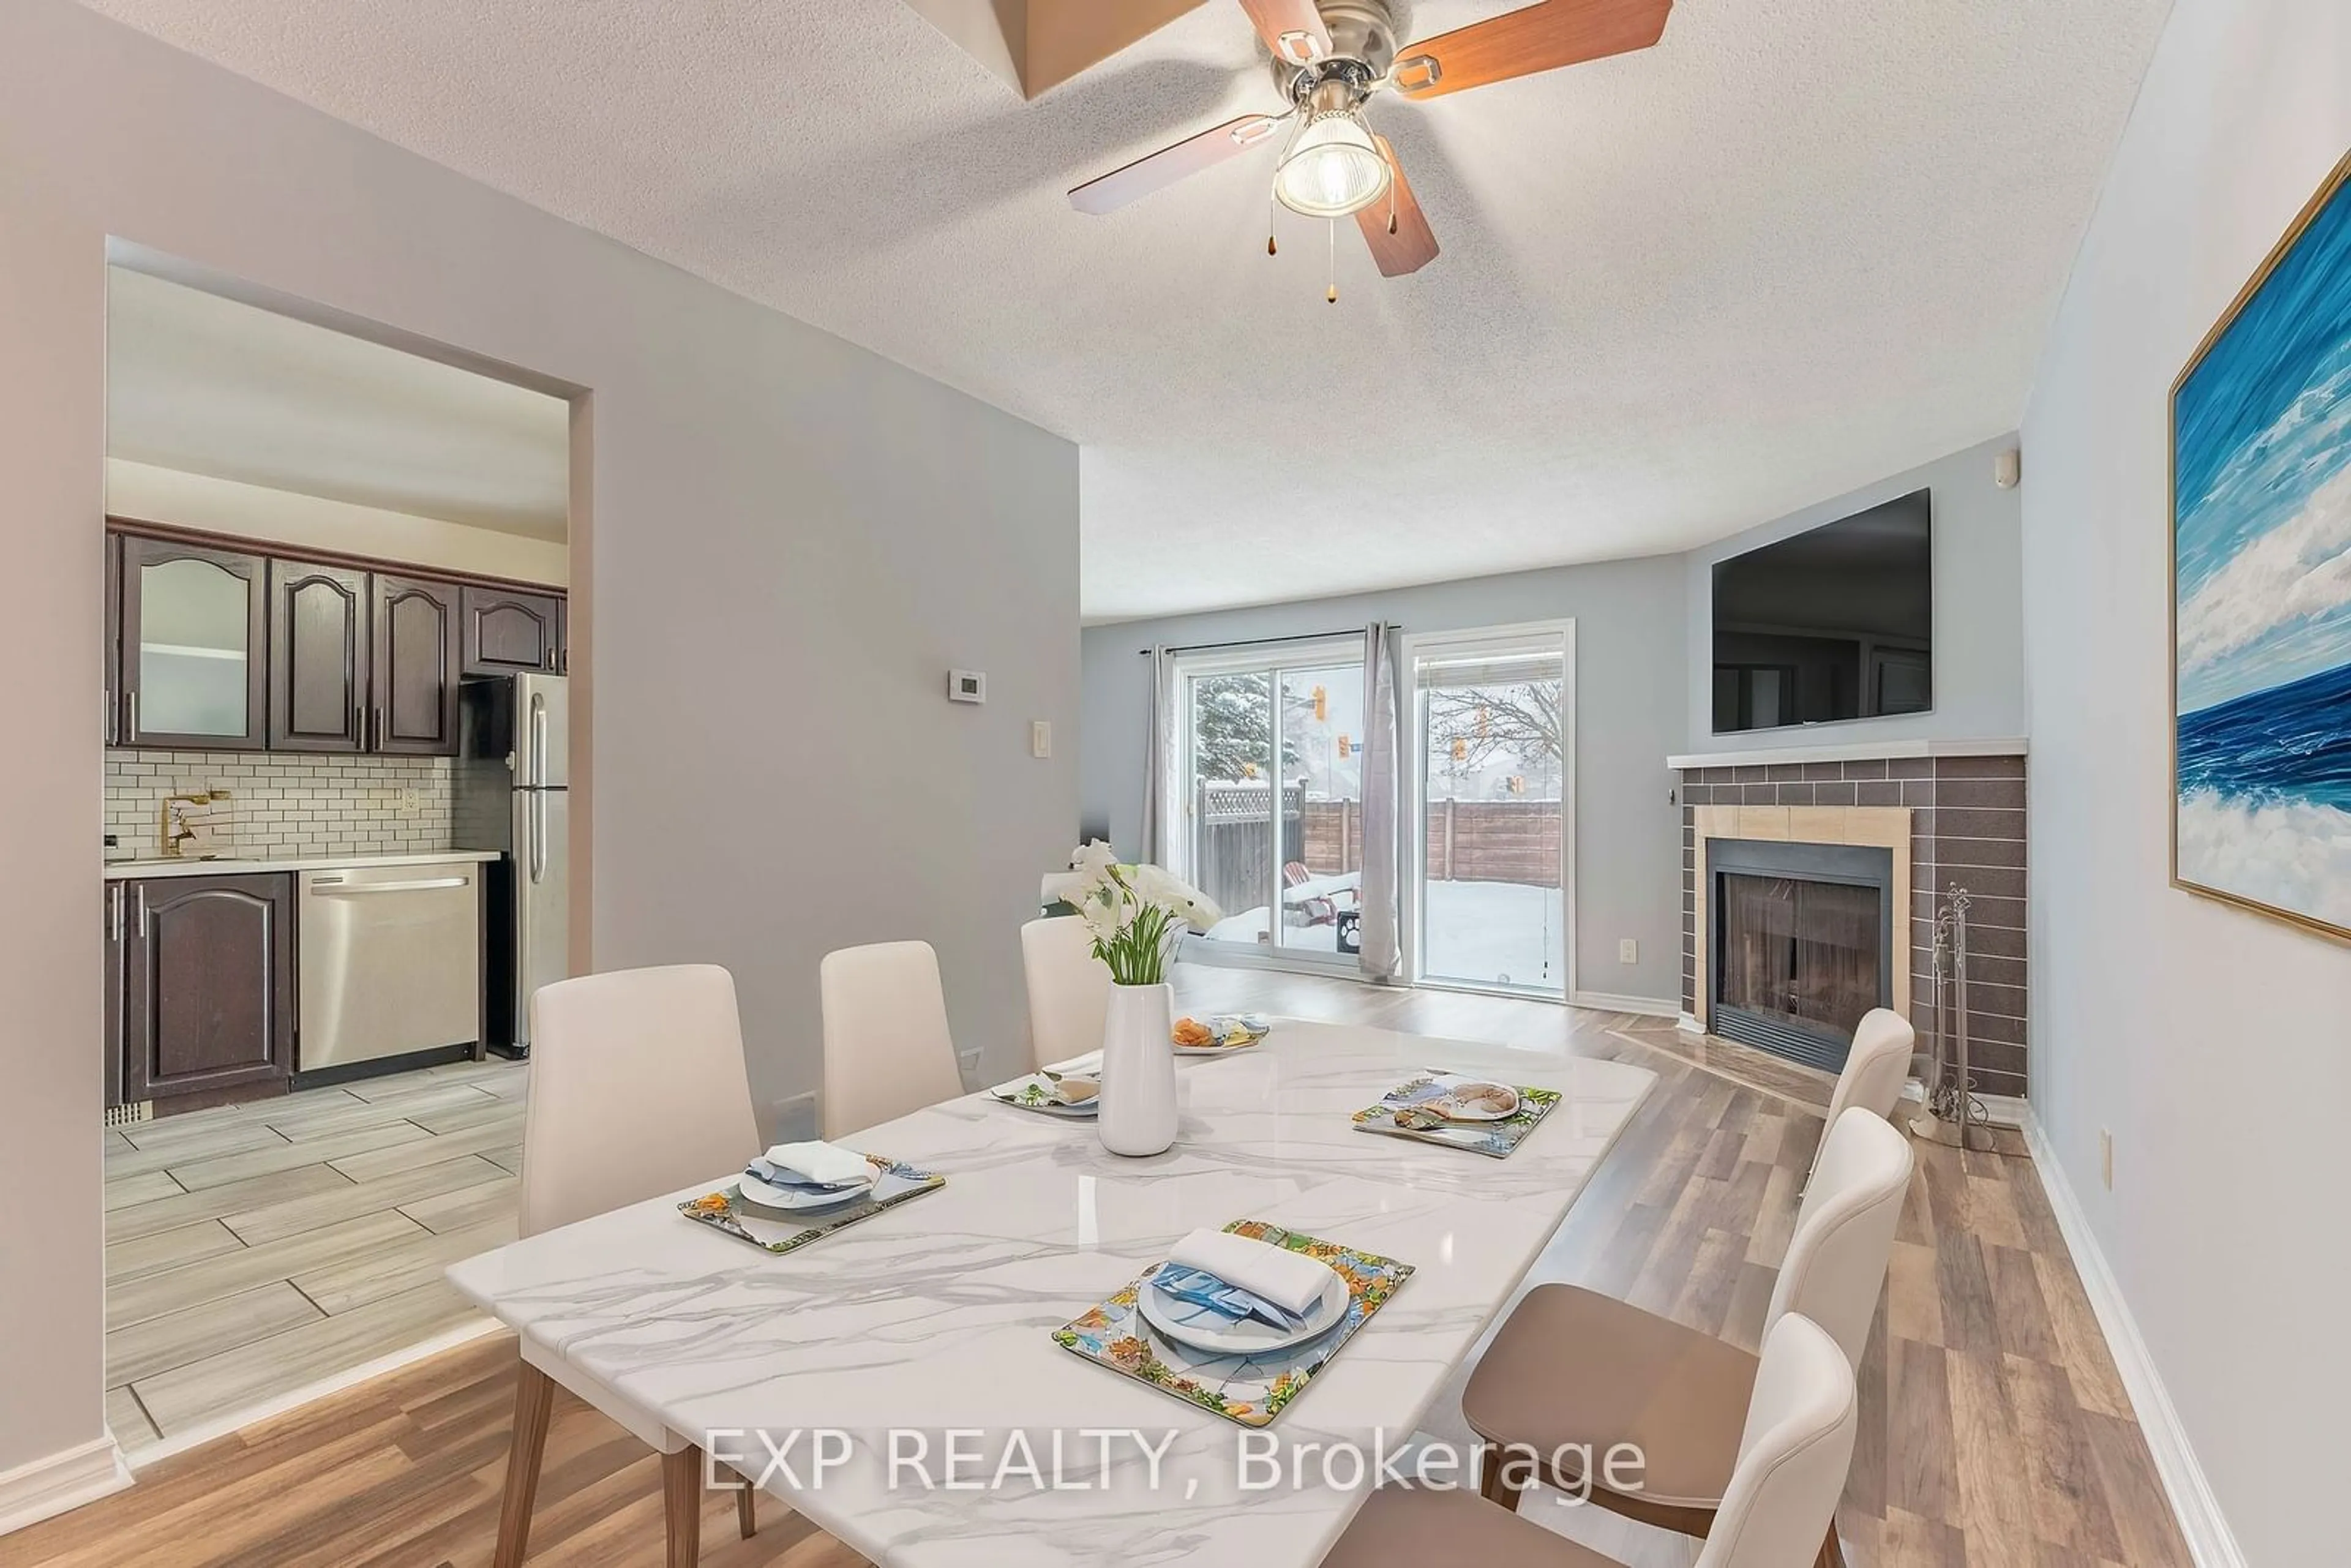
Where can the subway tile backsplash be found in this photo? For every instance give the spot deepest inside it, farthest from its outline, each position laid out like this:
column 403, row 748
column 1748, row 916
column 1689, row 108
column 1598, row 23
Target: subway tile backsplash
column 286, row 804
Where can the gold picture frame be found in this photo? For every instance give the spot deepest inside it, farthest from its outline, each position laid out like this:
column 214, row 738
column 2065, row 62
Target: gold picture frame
column 2194, row 872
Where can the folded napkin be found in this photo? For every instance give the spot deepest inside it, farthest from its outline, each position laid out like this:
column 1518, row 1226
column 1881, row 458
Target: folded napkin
column 813, row 1164
column 1274, row 1275
column 1217, row 1299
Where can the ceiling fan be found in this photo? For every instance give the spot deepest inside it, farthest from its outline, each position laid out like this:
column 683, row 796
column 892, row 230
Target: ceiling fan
column 1330, row 58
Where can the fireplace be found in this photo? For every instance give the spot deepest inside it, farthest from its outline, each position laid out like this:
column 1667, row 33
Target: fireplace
column 1801, row 943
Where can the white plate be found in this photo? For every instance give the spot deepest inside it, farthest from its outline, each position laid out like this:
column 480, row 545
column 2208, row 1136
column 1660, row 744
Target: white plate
column 795, row 1198
column 1009, row 1095
column 1246, row 1337
column 1450, row 1106
column 1219, row 1049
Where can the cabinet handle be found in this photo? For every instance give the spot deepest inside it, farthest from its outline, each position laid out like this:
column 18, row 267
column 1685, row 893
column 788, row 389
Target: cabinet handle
column 112, row 713
column 377, row 743
column 114, row 911
column 139, row 896
column 130, row 719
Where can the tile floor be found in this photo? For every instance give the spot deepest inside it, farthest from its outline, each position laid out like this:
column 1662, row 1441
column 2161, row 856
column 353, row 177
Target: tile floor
column 253, row 1249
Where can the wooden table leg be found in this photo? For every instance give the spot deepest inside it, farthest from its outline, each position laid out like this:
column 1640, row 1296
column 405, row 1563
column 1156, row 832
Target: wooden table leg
column 747, row 1510
column 682, row 1505
column 534, row 1397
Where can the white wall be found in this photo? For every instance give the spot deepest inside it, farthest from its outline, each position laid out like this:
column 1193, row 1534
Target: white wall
column 1979, row 642
column 2210, row 1042
column 1629, row 718
column 186, row 500
column 792, row 540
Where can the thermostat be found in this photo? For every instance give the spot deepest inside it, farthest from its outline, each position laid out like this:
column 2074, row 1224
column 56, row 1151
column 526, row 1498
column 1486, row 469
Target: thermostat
column 967, row 687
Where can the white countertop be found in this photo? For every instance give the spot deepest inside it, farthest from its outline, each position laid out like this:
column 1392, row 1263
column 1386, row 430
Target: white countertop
column 117, row 871
column 939, row 1315
column 1862, row 751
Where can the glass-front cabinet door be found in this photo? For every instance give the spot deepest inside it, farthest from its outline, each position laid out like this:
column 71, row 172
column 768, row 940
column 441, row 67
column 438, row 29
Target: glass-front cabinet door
column 192, row 672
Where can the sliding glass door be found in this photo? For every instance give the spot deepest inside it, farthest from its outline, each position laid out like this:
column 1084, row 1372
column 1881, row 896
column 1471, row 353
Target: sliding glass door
column 1267, row 803
column 1490, row 763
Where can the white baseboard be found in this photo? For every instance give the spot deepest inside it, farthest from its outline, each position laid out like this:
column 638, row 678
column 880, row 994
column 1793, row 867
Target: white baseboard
column 1687, row 1022
column 46, row 1487
column 1608, row 1002
column 2209, row 1541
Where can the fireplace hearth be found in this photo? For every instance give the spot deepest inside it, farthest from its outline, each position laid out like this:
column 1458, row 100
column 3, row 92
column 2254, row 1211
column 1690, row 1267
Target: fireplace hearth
column 1801, row 945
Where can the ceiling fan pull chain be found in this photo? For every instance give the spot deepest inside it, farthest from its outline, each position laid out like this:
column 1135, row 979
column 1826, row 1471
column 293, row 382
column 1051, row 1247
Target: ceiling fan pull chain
column 1333, row 295
column 1272, row 218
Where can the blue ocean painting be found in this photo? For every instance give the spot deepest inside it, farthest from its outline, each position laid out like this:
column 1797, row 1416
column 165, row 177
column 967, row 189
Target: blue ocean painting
column 2261, row 535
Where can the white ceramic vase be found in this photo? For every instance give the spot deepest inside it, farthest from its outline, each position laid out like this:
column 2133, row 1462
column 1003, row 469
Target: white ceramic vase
column 1138, row 1071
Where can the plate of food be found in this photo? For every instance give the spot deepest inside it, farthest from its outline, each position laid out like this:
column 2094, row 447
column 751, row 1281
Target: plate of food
column 1432, row 1101
column 1219, row 1034
column 1052, row 1093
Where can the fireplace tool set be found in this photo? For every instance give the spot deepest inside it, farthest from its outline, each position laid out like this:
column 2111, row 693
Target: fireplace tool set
column 1955, row 1114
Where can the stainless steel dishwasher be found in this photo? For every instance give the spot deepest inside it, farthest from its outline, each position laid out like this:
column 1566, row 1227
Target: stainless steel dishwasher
column 390, row 961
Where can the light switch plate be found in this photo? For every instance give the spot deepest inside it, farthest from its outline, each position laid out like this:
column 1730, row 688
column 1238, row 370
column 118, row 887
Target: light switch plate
column 1041, row 737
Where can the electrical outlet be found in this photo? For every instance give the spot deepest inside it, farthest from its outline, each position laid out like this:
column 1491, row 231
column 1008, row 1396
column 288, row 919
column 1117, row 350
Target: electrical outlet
column 1628, row 951
column 412, row 802
column 2106, row 1158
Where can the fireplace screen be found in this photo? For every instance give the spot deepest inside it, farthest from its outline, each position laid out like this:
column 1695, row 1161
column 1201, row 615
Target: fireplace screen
column 1807, row 956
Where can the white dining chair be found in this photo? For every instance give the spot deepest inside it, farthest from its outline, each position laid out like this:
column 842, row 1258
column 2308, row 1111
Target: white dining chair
column 1875, row 1068
column 1571, row 1366
column 887, row 1051
column 1069, row 988
column 1795, row 1452
column 637, row 1088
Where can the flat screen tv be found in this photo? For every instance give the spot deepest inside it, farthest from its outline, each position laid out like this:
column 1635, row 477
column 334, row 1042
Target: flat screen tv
column 1832, row 623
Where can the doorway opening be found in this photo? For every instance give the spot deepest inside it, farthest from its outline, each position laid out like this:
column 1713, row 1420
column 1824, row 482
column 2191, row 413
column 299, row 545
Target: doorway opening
column 335, row 555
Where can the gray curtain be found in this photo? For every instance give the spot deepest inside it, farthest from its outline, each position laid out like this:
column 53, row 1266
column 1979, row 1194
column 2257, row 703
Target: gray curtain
column 1380, row 959
column 1158, row 755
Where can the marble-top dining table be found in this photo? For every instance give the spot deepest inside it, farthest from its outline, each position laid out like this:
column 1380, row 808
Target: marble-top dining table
column 914, row 1351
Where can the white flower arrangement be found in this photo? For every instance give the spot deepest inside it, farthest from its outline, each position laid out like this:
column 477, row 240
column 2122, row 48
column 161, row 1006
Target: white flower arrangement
column 1138, row 914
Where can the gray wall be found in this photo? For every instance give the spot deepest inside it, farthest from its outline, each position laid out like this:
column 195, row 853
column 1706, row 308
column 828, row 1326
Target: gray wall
column 1629, row 694
column 2209, row 1042
column 1979, row 635
column 793, row 540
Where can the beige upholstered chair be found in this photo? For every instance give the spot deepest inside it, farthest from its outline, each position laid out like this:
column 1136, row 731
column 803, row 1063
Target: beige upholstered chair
column 1874, row 1070
column 1795, row 1447
column 1068, row 987
column 1572, row 1366
column 637, row 1088
column 887, row 1047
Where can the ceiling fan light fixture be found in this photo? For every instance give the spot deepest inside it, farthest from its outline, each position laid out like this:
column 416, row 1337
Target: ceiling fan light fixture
column 1333, row 167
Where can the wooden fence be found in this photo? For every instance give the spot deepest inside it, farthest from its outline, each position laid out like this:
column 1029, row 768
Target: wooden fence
column 1469, row 841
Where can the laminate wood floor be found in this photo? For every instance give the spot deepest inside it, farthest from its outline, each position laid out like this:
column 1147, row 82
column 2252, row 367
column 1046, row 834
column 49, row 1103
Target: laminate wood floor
column 1996, row 1431
column 253, row 1249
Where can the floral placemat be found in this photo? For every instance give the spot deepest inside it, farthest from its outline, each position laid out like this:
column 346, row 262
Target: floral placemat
column 781, row 1230
column 1249, row 1389
column 1394, row 1115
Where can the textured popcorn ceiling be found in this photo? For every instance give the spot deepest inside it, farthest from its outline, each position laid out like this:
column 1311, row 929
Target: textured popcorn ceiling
column 1798, row 246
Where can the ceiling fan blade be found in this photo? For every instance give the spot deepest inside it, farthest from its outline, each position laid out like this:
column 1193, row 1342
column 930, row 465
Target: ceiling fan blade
column 1540, row 37
column 1396, row 229
column 1292, row 29
column 1169, row 164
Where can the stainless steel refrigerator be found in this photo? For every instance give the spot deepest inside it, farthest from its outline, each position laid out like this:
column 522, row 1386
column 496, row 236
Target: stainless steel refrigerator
column 513, row 779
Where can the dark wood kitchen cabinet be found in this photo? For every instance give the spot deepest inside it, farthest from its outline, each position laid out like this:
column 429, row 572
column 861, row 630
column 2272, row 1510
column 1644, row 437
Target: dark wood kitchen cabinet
column 207, row 993
column 114, row 639
column 507, row 633
column 419, row 659
column 193, row 632
column 318, row 649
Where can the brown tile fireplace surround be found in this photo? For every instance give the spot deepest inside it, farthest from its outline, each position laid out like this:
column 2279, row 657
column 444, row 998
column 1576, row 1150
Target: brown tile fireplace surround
column 1965, row 825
